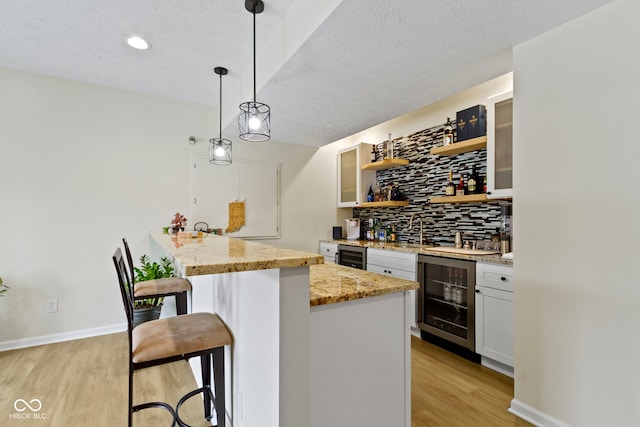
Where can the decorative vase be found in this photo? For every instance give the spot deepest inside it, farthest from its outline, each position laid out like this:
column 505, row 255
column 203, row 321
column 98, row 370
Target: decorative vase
column 141, row 315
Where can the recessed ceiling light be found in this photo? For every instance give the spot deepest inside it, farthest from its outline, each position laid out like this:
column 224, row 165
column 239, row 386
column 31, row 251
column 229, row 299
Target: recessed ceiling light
column 138, row 43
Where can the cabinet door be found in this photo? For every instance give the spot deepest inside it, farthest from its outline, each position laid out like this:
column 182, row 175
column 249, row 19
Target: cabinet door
column 348, row 177
column 351, row 177
column 500, row 146
column 494, row 324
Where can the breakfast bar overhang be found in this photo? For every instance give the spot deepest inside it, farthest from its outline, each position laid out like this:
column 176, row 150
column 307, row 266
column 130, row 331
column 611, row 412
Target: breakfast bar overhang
column 313, row 345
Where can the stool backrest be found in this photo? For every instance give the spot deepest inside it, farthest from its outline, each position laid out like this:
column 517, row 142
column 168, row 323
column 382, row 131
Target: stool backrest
column 126, row 286
column 127, row 252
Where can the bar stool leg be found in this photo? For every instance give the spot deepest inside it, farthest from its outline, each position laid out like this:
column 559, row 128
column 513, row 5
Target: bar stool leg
column 205, row 364
column 218, row 372
column 181, row 303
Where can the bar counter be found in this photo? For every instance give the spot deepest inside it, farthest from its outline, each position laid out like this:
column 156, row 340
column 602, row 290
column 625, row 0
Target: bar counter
column 313, row 344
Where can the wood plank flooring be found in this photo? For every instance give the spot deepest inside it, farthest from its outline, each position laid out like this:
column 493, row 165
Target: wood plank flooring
column 84, row 383
column 448, row 390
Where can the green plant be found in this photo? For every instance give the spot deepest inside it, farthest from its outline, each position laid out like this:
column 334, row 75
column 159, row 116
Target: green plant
column 149, row 271
column 3, row 288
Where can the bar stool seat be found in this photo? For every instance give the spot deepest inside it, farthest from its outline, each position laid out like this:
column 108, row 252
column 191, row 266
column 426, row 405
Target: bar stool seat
column 173, row 337
column 159, row 288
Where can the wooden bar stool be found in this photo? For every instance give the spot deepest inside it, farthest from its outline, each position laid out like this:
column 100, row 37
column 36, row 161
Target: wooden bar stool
column 167, row 340
column 165, row 287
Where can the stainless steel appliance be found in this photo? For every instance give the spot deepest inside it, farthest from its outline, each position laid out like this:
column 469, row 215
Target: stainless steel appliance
column 352, row 256
column 446, row 297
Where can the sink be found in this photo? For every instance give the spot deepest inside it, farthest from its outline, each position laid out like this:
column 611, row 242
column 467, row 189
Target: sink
column 451, row 250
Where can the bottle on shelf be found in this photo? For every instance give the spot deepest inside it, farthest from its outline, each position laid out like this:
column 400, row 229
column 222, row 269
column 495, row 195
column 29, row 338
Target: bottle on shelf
column 391, row 148
column 460, row 189
column 473, row 184
column 370, row 194
column 450, row 189
column 376, row 192
column 394, row 236
column 448, row 133
column 374, row 154
column 484, row 184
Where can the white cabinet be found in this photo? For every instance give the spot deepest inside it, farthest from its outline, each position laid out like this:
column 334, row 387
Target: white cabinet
column 500, row 146
column 396, row 264
column 329, row 251
column 494, row 316
column 353, row 182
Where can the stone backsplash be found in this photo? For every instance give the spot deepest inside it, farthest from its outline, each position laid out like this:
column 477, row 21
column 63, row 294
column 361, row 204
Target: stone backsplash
column 424, row 177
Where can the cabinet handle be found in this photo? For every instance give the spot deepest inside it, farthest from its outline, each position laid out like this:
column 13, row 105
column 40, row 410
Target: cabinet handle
column 504, row 279
column 488, row 192
column 477, row 291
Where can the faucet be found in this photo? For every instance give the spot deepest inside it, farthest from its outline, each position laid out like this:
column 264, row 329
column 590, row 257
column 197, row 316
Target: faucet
column 411, row 225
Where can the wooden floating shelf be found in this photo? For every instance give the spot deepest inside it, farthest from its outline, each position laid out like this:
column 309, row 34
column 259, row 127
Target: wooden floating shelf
column 469, row 198
column 461, row 147
column 389, row 203
column 385, row 164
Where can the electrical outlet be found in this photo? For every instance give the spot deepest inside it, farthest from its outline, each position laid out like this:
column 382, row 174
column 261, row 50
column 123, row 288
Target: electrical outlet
column 52, row 306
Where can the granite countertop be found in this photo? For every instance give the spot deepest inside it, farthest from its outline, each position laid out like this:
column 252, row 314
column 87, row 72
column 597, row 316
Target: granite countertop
column 213, row 254
column 332, row 283
column 422, row 250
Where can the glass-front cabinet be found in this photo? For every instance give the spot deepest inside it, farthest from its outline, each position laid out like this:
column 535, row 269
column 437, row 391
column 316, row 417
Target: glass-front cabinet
column 351, row 177
column 500, row 146
column 446, row 299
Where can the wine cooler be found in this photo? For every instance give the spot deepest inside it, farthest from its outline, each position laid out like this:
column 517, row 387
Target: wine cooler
column 446, row 299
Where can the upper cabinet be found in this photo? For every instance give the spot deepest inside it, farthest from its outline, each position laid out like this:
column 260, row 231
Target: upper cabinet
column 500, row 146
column 353, row 182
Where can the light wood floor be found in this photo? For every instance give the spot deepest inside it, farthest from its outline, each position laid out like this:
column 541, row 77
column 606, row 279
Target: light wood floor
column 84, row 383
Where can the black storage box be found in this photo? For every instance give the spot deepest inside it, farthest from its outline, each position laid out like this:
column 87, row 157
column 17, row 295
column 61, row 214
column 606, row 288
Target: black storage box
column 471, row 123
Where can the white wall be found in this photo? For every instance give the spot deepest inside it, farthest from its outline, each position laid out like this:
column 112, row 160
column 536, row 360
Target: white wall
column 81, row 166
column 576, row 154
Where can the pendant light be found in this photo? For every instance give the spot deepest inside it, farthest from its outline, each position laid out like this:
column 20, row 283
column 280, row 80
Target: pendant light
column 254, row 121
column 220, row 149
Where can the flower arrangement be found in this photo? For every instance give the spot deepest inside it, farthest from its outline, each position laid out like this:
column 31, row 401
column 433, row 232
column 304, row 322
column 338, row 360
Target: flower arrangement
column 178, row 222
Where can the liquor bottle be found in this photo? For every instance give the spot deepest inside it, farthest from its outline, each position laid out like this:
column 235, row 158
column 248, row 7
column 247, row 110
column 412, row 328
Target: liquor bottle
column 448, row 133
column 473, row 182
column 450, row 189
column 484, row 184
column 394, row 236
column 374, row 154
column 376, row 192
column 460, row 188
column 391, row 149
column 370, row 195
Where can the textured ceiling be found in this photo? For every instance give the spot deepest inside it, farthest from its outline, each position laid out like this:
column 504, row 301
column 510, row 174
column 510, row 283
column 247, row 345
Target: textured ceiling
column 367, row 62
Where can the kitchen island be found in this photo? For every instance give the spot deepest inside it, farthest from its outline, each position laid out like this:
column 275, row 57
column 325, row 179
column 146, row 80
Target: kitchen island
column 313, row 344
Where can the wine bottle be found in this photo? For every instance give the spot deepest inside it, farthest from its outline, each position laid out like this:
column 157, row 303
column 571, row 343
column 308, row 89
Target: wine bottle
column 460, row 188
column 472, row 183
column 450, row 189
column 374, row 154
column 448, row 133
column 370, row 195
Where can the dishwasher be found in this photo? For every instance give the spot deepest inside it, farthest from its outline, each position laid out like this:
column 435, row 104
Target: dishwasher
column 352, row 256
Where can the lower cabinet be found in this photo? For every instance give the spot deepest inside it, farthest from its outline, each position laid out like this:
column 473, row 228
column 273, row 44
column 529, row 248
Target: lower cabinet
column 330, row 252
column 494, row 316
column 397, row 264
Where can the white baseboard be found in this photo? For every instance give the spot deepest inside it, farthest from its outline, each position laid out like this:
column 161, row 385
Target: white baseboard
column 64, row 336
column 534, row 416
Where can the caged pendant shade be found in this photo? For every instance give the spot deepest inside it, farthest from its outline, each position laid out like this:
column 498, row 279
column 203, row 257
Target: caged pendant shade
column 254, row 121
column 219, row 148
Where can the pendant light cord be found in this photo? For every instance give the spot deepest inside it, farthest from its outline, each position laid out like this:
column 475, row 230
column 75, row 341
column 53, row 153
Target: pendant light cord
column 254, row 53
column 220, row 122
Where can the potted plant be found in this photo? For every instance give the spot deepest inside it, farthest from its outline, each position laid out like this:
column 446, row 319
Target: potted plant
column 179, row 222
column 3, row 288
column 149, row 308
